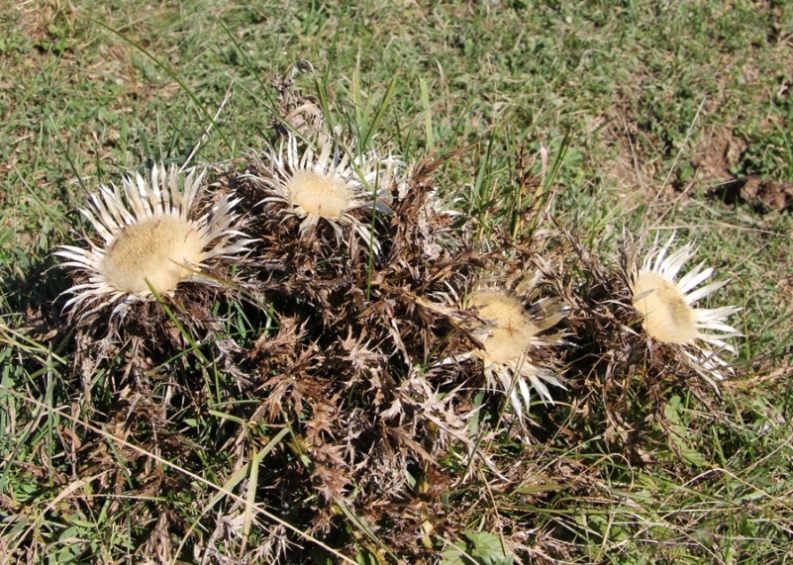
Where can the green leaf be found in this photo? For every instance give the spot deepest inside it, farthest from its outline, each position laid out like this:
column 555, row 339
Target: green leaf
column 454, row 555
column 484, row 548
column 680, row 435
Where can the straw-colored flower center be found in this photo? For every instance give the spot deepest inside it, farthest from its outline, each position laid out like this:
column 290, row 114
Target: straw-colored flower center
column 667, row 315
column 162, row 249
column 323, row 196
column 511, row 331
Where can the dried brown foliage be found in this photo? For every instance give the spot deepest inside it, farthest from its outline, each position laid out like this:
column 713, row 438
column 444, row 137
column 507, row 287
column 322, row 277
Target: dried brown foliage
column 343, row 369
column 298, row 112
column 145, row 335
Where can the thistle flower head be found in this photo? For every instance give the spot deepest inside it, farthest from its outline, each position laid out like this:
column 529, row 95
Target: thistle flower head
column 327, row 186
column 149, row 239
column 513, row 327
column 668, row 312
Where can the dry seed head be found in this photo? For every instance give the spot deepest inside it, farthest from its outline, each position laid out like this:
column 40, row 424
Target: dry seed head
column 320, row 195
column 667, row 316
column 149, row 238
column 511, row 332
column 160, row 250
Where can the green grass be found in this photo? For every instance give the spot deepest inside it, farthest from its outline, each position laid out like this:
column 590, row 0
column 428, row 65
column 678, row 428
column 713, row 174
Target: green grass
column 644, row 108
